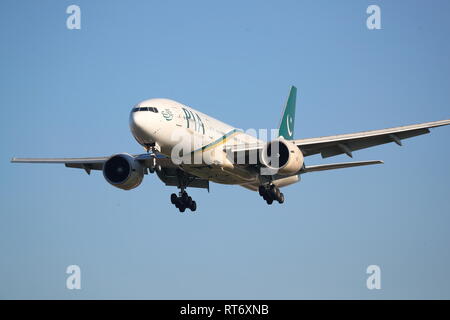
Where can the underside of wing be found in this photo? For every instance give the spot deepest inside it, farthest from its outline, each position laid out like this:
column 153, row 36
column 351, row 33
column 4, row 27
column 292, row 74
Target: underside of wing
column 96, row 163
column 340, row 144
column 333, row 166
column 166, row 170
column 347, row 143
column 88, row 164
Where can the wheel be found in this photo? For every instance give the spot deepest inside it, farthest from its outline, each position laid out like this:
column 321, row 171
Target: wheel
column 281, row 198
column 269, row 201
column 277, row 193
column 182, row 208
column 188, row 202
column 173, row 198
column 261, row 190
column 193, row 206
column 151, row 169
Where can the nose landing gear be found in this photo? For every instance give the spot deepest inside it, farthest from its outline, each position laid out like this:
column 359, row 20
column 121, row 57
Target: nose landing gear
column 183, row 201
column 271, row 193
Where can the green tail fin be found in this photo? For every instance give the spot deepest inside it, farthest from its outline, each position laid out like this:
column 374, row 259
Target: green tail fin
column 288, row 120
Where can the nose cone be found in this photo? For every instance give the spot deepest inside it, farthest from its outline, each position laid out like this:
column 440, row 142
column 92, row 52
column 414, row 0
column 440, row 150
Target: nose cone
column 137, row 123
column 140, row 126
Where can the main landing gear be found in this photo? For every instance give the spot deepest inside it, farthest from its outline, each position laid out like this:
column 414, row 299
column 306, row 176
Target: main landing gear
column 183, row 201
column 270, row 193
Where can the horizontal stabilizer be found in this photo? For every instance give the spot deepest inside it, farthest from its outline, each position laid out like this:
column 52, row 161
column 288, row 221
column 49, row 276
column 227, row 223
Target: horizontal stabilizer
column 332, row 166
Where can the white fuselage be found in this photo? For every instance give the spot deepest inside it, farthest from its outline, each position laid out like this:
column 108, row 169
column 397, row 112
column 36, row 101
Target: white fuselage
column 176, row 129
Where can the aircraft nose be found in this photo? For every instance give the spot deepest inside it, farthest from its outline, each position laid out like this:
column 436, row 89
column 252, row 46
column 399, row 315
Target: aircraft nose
column 138, row 124
column 137, row 121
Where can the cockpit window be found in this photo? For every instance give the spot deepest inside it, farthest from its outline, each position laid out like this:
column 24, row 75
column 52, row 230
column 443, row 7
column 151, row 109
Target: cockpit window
column 145, row 109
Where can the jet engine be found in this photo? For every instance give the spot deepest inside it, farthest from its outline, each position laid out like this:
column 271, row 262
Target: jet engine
column 123, row 171
column 282, row 157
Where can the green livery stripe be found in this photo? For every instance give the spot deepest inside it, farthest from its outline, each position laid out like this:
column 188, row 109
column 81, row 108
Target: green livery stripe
column 217, row 142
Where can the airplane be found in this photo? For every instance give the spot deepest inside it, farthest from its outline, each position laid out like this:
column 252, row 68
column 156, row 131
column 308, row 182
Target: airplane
column 223, row 154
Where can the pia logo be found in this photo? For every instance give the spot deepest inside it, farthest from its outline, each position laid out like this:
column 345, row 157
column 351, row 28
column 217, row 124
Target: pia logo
column 167, row 114
column 288, row 125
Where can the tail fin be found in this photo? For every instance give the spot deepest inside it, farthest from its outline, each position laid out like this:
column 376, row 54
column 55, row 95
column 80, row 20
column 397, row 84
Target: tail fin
column 288, row 119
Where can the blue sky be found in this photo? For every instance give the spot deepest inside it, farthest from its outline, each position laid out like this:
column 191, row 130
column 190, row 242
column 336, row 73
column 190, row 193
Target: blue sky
column 69, row 92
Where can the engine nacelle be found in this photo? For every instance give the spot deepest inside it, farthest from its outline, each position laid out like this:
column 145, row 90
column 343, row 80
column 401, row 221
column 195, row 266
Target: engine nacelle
column 123, row 171
column 282, row 157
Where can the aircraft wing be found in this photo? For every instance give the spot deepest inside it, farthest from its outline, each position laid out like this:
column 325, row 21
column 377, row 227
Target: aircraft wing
column 87, row 164
column 96, row 163
column 346, row 143
column 168, row 172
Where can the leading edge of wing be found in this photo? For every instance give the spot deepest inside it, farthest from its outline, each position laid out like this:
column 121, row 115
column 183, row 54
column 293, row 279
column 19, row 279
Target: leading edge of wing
column 371, row 133
column 139, row 157
column 332, row 166
column 60, row 160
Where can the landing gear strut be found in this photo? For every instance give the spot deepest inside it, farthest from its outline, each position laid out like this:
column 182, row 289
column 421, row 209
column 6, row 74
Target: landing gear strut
column 183, row 201
column 270, row 193
column 153, row 148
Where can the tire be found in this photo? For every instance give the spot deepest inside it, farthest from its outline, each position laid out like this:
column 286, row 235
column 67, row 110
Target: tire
column 188, row 202
column 277, row 193
column 261, row 190
column 193, row 206
column 182, row 208
column 269, row 201
column 281, row 198
column 179, row 203
column 173, row 198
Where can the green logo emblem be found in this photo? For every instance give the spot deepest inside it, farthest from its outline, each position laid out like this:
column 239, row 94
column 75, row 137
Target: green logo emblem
column 167, row 114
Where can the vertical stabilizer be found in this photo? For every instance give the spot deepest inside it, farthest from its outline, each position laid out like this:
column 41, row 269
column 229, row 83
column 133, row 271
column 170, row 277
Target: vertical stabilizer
column 288, row 118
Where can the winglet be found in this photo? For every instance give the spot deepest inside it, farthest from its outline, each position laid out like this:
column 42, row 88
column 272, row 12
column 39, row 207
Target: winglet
column 288, row 118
